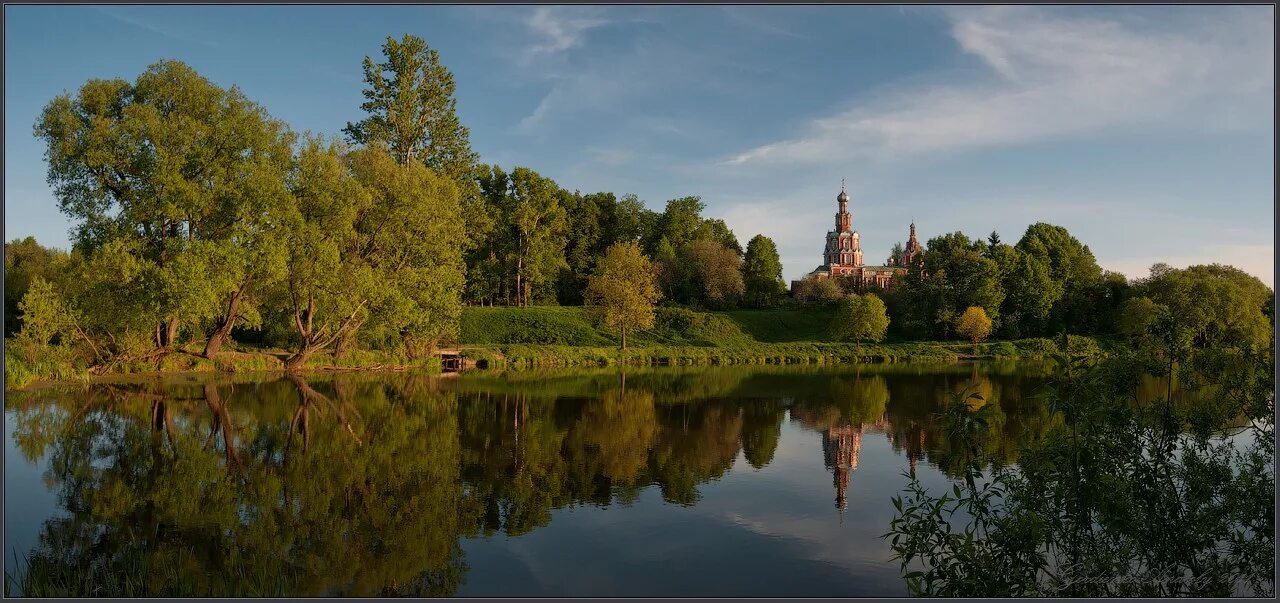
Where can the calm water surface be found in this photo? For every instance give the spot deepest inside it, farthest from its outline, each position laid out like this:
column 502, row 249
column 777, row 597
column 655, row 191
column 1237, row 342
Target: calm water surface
column 733, row 481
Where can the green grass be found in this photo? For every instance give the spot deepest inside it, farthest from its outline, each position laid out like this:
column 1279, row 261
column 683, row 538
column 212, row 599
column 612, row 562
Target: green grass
column 546, row 337
column 778, row 326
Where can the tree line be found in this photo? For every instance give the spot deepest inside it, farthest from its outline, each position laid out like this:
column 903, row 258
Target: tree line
column 196, row 215
column 1048, row 284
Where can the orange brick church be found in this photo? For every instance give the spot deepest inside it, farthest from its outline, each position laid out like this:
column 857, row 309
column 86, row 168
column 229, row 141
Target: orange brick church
column 843, row 254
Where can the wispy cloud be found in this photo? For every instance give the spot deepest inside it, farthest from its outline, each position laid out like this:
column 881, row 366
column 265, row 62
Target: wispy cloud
column 1049, row 76
column 561, row 28
column 163, row 31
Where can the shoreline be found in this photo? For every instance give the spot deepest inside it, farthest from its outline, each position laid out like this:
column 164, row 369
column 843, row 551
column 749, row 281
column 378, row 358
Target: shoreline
column 540, row 356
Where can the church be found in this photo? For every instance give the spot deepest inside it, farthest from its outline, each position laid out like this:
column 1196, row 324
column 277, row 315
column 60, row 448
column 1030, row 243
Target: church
column 842, row 256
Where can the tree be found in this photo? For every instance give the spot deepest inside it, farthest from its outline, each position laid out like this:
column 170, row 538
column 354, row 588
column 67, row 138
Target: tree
column 958, row 276
column 860, row 318
column 629, row 221
column 411, row 109
column 762, row 273
column 175, row 168
column 623, row 290
column 716, row 272
column 714, row 229
column 328, row 286
column 1221, row 305
column 1072, row 267
column 895, row 255
column 974, row 324
column 24, row 261
column 412, row 237
column 819, row 291
column 585, row 241
column 540, row 223
column 678, row 223
column 1137, row 316
column 1029, row 290
column 371, row 243
column 669, row 271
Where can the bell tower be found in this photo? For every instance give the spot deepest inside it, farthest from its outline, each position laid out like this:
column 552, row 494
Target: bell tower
column 844, row 221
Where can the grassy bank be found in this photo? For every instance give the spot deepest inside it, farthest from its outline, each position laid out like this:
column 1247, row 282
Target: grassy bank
column 19, row 372
column 549, row 337
column 543, row 337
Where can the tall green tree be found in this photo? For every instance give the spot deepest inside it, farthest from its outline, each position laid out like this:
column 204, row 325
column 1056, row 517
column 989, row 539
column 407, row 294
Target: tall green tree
column 956, row 276
column 371, row 243
column 170, row 166
column 1030, row 291
column 1072, row 267
column 629, row 220
column 678, row 223
column 409, row 99
column 411, row 108
column 586, row 240
column 540, row 224
column 762, row 273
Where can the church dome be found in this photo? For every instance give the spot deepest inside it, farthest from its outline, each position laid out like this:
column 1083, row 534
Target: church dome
column 843, row 197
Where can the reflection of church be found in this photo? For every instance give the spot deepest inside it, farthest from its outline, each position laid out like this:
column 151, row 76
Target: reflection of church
column 840, row 449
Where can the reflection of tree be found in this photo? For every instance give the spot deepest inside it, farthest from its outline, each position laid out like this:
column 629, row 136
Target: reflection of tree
column 621, row 427
column 336, row 518
column 696, row 443
column 761, row 428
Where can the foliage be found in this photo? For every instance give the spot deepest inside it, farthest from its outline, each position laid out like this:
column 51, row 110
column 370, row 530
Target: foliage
column 411, row 109
column 24, row 261
column 622, row 290
column 1120, row 498
column 974, row 324
column 762, row 273
column 164, row 165
column 716, row 274
column 818, row 292
column 860, row 318
column 1220, row 305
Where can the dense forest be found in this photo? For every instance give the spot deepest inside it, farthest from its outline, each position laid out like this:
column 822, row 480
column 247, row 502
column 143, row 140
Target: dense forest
column 199, row 220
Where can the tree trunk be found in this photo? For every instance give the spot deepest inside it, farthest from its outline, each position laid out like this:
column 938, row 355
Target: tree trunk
column 624, row 340
column 223, row 331
column 294, row 363
column 221, row 416
column 171, row 332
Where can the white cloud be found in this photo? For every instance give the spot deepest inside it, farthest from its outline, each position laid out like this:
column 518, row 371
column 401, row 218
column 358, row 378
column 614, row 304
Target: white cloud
column 561, row 28
column 1050, row 76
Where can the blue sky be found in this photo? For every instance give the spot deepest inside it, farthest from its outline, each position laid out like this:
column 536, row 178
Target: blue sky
column 1146, row 131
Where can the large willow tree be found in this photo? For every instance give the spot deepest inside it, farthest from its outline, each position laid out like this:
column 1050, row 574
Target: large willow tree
column 185, row 175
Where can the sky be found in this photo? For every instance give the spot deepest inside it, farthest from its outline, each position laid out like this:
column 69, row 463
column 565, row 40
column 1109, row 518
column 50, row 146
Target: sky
column 1146, row 131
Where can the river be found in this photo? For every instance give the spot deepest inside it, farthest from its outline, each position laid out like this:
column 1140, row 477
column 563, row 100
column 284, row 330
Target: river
column 728, row 481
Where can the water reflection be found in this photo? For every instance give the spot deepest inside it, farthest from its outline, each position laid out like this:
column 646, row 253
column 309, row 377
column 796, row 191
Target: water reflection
column 370, row 485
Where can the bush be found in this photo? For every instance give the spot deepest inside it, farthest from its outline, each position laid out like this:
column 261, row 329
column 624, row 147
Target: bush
column 1079, row 346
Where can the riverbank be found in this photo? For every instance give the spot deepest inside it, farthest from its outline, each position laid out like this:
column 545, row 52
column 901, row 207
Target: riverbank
column 549, row 337
column 19, row 374
column 562, row 337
